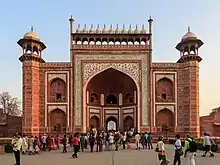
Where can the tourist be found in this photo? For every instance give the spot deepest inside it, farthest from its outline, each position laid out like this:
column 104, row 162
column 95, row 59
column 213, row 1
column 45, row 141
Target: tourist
column 137, row 141
column 149, row 141
column 178, row 152
column 24, row 145
column 146, row 138
column 31, row 145
column 58, row 141
column 190, row 149
column 207, row 142
column 17, row 144
column 117, row 140
column 71, row 141
column 36, row 145
column 91, row 141
column 64, row 142
column 143, row 140
column 76, row 143
column 86, row 141
column 82, row 142
column 111, row 141
column 44, row 141
column 124, row 139
column 107, row 143
column 98, row 142
column 160, row 149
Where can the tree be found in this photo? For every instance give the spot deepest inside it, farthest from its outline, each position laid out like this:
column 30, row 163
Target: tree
column 10, row 105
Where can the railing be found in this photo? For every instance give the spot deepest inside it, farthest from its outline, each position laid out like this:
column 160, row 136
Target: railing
column 54, row 99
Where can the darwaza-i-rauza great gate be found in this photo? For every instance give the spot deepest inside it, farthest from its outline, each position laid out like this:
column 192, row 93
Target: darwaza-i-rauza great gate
column 110, row 83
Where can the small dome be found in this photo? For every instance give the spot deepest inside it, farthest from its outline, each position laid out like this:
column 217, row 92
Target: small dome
column 136, row 31
column 85, row 29
column 31, row 35
column 104, row 30
column 111, row 30
column 130, row 30
column 124, row 29
column 98, row 30
column 189, row 35
column 78, row 30
column 91, row 30
column 143, row 30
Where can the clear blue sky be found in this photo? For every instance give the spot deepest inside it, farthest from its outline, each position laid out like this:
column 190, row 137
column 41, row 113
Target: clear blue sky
column 171, row 19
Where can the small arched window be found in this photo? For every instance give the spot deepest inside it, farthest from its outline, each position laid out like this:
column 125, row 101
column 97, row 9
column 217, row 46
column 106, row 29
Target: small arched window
column 94, row 98
column 57, row 90
column 111, row 99
column 128, row 98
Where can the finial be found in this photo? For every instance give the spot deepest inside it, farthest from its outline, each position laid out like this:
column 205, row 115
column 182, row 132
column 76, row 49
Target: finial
column 104, row 25
column 32, row 28
column 150, row 19
column 111, row 26
column 188, row 28
column 71, row 18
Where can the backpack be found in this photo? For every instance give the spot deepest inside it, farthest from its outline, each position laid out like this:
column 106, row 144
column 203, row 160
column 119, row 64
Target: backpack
column 192, row 145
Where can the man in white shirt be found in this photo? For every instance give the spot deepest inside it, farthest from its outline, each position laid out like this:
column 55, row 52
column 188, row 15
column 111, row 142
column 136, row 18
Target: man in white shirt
column 44, row 141
column 177, row 150
column 17, row 143
column 207, row 142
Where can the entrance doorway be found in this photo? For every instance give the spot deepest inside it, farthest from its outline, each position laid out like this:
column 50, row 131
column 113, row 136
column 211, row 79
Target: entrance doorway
column 128, row 123
column 111, row 124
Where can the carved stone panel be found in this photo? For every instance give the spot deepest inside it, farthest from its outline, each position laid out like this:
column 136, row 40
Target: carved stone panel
column 169, row 76
column 59, row 75
column 90, row 69
column 161, row 107
column 52, row 107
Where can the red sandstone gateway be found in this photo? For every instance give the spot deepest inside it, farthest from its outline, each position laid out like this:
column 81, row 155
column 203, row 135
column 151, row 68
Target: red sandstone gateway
column 110, row 83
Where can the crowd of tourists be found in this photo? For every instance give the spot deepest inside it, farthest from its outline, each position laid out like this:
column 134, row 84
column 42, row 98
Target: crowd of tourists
column 108, row 141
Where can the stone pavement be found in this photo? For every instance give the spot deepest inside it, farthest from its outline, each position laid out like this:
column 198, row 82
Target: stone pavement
column 122, row 157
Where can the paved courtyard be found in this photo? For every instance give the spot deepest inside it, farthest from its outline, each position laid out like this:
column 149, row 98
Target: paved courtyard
column 122, row 157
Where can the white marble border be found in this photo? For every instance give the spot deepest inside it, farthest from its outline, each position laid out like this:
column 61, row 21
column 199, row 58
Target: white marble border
column 68, row 91
column 161, row 103
column 112, row 58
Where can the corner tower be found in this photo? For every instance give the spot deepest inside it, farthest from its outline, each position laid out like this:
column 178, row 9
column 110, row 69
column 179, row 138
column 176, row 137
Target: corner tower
column 188, row 91
column 31, row 58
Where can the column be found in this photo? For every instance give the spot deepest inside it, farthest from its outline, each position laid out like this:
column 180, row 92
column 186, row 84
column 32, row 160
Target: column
column 102, row 99
column 120, row 99
column 135, row 98
column 87, row 97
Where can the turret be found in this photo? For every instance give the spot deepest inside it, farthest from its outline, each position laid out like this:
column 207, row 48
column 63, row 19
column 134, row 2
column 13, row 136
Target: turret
column 189, row 47
column 32, row 47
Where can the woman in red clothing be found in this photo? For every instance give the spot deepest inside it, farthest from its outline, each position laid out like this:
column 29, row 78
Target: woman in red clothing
column 75, row 145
